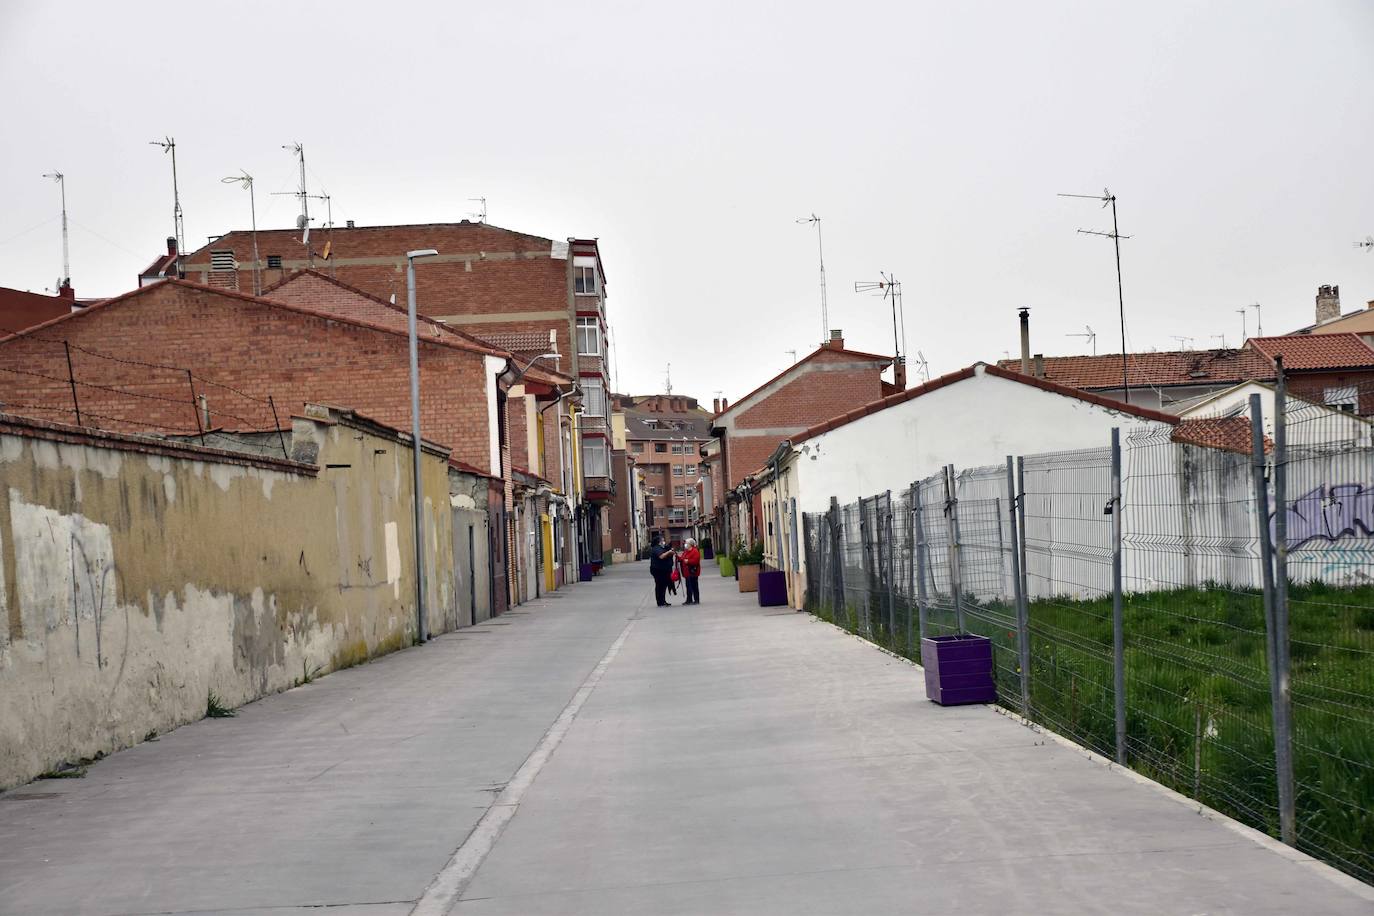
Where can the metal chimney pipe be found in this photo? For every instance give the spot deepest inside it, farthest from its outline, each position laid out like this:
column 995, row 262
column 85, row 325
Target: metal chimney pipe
column 1025, row 342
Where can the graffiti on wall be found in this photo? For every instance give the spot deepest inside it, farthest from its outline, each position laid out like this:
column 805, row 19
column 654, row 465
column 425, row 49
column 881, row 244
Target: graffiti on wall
column 1330, row 513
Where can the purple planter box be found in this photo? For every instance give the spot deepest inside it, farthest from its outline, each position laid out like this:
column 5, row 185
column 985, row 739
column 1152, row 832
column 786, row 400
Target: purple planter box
column 585, row 572
column 958, row 669
column 772, row 588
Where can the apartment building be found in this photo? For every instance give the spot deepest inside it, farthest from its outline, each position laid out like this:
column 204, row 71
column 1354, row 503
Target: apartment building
column 664, row 434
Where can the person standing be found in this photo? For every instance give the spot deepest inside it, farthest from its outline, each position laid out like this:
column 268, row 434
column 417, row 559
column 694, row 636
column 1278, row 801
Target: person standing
column 661, row 567
column 690, row 563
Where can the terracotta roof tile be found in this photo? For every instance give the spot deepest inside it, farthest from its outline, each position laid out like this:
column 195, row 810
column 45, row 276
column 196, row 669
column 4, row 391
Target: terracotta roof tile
column 1317, row 351
column 1231, row 434
column 1153, row 370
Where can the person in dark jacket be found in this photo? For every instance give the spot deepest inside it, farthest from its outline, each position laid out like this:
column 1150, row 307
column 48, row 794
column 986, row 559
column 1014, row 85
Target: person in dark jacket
column 661, row 560
column 690, row 563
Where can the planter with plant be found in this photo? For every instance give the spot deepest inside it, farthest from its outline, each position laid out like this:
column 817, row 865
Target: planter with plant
column 748, row 564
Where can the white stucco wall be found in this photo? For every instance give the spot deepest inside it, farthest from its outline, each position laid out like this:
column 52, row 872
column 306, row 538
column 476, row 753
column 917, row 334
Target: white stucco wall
column 973, row 422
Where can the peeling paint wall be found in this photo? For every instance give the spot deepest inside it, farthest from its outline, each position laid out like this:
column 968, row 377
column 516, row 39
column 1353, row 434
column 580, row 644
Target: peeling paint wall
column 133, row 584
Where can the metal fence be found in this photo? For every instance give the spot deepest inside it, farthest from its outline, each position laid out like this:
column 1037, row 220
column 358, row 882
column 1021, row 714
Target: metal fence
column 1143, row 599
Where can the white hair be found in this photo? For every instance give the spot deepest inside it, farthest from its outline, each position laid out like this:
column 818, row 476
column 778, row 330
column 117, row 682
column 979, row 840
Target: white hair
column 691, row 542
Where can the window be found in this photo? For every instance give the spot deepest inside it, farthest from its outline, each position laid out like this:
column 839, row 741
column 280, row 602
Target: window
column 637, row 447
column 660, row 447
column 1344, row 397
column 677, row 470
column 677, row 448
column 594, row 397
column 589, row 337
column 594, row 462
column 274, row 262
column 679, row 492
column 691, row 470
column 584, row 281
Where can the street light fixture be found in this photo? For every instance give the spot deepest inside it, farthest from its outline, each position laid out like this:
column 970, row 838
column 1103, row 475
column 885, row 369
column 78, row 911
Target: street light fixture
column 420, row 634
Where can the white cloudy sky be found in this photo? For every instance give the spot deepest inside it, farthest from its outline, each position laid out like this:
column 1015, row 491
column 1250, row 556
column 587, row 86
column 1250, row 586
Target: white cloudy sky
column 930, row 137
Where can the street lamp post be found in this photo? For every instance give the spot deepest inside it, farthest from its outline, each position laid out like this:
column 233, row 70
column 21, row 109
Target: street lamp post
column 420, row 634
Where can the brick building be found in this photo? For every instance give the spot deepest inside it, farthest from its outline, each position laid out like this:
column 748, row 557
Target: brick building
column 664, row 434
column 487, row 281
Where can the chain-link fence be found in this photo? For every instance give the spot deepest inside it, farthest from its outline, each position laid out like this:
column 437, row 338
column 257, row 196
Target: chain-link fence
column 1145, row 600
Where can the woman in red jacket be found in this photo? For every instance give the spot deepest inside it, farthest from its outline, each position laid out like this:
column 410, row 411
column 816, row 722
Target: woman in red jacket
column 689, row 561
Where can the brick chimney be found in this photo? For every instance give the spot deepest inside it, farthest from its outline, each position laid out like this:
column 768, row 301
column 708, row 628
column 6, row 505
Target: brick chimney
column 836, row 340
column 172, row 246
column 66, row 292
column 899, row 373
column 715, row 405
column 1328, row 303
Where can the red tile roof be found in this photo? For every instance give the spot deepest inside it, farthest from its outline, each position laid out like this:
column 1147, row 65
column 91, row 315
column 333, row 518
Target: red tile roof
column 1317, row 351
column 1231, row 434
column 1154, row 370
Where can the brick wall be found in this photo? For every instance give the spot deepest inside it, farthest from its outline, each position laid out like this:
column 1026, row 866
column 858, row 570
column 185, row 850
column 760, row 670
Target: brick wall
column 252, row 347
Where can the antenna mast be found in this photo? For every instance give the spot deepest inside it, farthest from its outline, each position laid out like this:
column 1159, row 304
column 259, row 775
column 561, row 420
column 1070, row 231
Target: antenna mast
column 482, row 216
column 169, row 145
column 1107, row 197
column 302, row 194
column 66, row 279
column 1090, row 336
column 1259, row 325
column 668, row 380
column 820, row 253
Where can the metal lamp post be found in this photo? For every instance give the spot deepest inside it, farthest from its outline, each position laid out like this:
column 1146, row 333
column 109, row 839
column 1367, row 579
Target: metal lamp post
column 420, row 634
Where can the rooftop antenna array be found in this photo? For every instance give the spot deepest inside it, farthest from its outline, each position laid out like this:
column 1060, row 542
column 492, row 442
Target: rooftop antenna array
column 793, row 354
column 922, row 366
column 66, row 278
column 481, row 214
column 891, row 288
column 1222, row 338
column 246, row 180
column 1090, row 336
column 815, row 220
column 1183, row 342
column 1108, row 198
column 1259, row 325
column 301, row 193
column 169, row 145
column 668, row 380
column 1244, row 328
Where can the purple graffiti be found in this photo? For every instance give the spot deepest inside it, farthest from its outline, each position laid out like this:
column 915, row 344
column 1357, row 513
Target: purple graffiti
column 1330, row 513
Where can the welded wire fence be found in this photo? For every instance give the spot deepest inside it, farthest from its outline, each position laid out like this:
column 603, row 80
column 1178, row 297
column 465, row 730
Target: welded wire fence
column 1196, row 601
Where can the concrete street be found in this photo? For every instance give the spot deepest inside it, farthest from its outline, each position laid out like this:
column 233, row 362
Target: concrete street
column 591, row 753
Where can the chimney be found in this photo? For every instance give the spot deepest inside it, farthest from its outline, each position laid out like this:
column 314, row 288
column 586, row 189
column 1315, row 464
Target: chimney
column 1025, row 341
column 1328, row 303
column 899, row 373
column 65, row 291
column 349, row 225
column 724, row 403
column 1369, row 304
column 836, row 340
column 715, row 405
column 172, row 246
column 1039, row 365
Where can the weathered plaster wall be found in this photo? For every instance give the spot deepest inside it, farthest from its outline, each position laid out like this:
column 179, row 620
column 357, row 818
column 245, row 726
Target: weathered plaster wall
column 132, row 584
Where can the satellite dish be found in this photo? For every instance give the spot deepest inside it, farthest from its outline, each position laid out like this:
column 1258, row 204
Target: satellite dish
column 300, row 221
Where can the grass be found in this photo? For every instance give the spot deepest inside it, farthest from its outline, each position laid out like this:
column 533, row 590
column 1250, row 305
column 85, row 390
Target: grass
column 215, row 708
column 1198, row 698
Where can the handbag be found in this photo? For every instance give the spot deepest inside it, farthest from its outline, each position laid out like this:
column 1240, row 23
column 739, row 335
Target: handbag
column 675, row 576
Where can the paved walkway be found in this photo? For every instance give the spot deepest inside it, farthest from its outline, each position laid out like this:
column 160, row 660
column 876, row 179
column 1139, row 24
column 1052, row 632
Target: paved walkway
column 590, row 753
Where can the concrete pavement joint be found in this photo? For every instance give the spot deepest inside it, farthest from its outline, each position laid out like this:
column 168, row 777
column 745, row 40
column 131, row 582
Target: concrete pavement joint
column 448, row 886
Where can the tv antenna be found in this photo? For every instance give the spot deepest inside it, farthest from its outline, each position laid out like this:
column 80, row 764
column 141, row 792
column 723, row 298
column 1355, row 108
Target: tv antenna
column 815, row 220
column 922, row 366
column 891, row 288
column 794, row 355
column 66, row 279
column 1183, row 341
column 668, row 380
column 1244, row 329
column 169, row 145
column 1090, row 336
column 1259, row 325
column 1107, row 197
column 1367, row 244
column 246, row 180
column 1222, row 338
column 482, row 214
column 302, row 221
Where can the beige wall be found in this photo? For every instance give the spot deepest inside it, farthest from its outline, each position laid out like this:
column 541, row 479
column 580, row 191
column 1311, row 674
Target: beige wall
column 136, row 579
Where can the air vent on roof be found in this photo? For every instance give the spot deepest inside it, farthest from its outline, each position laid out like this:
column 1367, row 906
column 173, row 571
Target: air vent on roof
column 274, row 262
column 223, row 260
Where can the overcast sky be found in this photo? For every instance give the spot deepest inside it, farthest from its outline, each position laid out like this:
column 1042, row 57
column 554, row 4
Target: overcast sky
column 930, row 137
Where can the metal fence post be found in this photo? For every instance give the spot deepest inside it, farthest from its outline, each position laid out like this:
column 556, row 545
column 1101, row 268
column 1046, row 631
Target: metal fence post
column 866, row 565
column 1277, row 655
column 1283, row 711
column 891, row 571
column 1118, row 615
column 955, row 560
column 920, row 561
column 1021, row 530
column 911, row 546
column 837, row 562
column 1022, row 623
